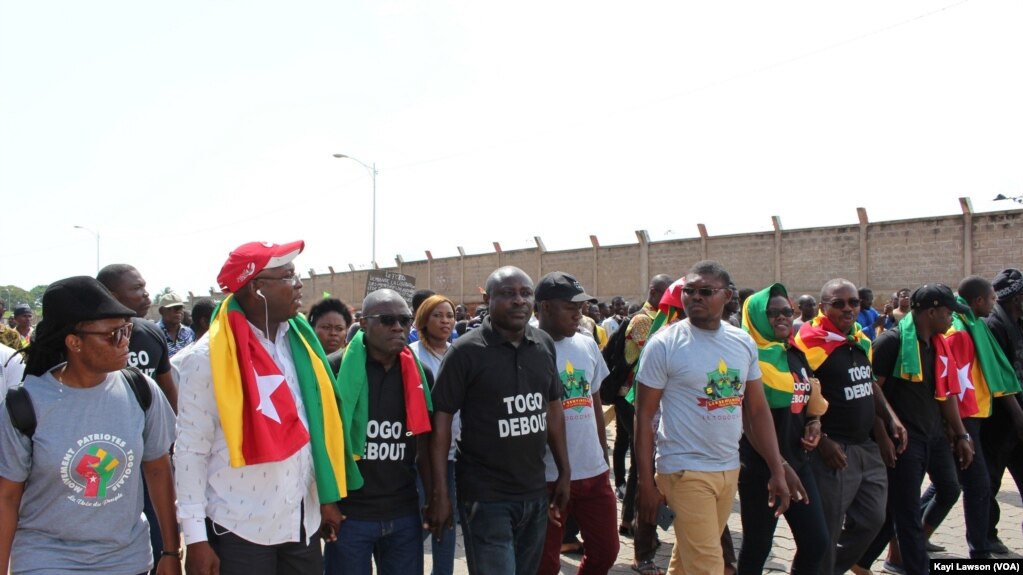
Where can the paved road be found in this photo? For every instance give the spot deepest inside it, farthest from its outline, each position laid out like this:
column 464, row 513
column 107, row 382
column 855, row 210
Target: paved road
column 951, row 535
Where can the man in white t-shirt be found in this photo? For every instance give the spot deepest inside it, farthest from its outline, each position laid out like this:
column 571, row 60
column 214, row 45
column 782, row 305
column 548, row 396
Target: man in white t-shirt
column 704, row 376
column 559, row 299
column 11, row 368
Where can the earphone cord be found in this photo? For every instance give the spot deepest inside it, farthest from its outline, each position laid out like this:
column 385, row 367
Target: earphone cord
column 266, row 315
column 266, row 318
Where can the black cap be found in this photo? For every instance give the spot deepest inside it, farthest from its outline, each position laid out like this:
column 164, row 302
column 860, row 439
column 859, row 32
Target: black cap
column 21, row 309
column 936, row 295
column 559, row 285
column 75, row 299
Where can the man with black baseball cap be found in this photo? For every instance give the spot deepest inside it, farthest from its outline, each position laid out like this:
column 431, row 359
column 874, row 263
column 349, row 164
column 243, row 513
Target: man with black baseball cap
column 914, row 368
column 559, row 298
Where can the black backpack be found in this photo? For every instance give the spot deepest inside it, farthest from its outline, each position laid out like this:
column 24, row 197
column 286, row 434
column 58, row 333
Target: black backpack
column 618, row 368
column 23, row 414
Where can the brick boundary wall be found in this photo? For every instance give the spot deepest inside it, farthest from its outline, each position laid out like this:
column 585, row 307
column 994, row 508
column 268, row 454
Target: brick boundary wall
column 884, row 256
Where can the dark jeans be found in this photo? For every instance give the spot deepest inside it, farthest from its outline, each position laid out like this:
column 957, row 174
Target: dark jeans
column 943, row 492
column 644, row 534
column 805, row 519
column 241, row 557
column 444, row 550
column 976, row 486
column 904, row 510
column 503, row 537
column 624, row 419
column 395, row 545
column 1002, row 450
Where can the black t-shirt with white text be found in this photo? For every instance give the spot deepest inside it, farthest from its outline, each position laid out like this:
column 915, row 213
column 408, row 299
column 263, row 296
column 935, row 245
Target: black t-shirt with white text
column 847, row 384
column 147, row 349
column 388, row 466
column 502, row 391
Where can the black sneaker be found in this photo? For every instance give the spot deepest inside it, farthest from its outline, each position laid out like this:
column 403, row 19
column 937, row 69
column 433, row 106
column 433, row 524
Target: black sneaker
column 996, row 546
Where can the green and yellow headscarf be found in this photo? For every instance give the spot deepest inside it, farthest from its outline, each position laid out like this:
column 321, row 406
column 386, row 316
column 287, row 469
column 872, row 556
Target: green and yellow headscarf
column 779, row 384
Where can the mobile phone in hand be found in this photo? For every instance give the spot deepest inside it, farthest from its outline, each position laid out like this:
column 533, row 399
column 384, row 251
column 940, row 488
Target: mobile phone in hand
column 665, row 517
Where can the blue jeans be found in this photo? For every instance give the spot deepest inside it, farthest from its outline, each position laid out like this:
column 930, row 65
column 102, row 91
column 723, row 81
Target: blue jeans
column 396, row 546
column 444, row 550
column 504, row 537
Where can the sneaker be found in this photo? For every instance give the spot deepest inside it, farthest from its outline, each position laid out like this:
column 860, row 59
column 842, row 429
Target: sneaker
column 890, row 567
column 996, row 546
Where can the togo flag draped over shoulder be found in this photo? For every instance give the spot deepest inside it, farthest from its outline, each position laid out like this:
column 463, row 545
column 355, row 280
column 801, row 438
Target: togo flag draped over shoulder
column 258, row 412
column 985, row 372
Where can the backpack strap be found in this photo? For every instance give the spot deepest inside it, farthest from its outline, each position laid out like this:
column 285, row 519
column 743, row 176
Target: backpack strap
column 139, row 386
column 21, row 411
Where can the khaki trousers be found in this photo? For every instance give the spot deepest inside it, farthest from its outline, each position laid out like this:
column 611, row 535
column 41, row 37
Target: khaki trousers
column 702, row 501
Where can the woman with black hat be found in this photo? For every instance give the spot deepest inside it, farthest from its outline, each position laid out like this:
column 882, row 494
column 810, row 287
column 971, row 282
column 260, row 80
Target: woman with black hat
column 70, row 488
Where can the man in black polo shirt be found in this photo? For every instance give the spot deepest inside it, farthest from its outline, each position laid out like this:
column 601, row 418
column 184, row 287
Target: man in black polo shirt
column 503, row 378
column 382, row 518
column 904, row 363
column 147, row 351
column 849, row 472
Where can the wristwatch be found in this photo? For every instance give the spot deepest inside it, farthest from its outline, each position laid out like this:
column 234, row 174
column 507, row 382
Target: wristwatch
column 175, row 553
column 965, row 436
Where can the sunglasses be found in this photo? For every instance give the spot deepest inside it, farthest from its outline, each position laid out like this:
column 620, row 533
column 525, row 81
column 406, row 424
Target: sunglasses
column 115, row 337
column 391, row 319
column 841, row 303
column 785, row 311
column 704, row 291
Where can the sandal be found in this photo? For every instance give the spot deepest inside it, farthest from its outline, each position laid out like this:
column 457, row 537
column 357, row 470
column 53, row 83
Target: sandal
column 647, row 567
column 573, row 548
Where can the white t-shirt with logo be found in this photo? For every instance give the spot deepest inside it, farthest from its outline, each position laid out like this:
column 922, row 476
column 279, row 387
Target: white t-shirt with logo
column 703, row 375
column 581, row 368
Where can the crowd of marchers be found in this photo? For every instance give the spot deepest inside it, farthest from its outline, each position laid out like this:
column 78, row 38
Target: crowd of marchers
column 253, row 435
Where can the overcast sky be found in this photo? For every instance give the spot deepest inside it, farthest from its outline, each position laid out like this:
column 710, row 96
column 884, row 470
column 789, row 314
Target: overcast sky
column 178, row 131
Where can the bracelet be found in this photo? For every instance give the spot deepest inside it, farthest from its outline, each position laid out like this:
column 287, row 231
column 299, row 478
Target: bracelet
column 175, row 553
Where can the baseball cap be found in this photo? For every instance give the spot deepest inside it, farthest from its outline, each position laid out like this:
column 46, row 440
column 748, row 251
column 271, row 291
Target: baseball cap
column 22, row 308
column 559, row 285
column 249, row 259
column 936, row 295
column 171, row 299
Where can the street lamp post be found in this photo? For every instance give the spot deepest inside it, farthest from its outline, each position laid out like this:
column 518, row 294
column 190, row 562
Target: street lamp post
column 95, row 233
column 1017, row 199
column 373, row 172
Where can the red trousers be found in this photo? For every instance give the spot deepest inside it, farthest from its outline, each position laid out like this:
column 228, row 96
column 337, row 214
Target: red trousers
column 594, row 507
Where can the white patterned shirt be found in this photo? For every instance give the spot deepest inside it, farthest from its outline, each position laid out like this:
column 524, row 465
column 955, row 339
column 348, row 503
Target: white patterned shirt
column 260, row 503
